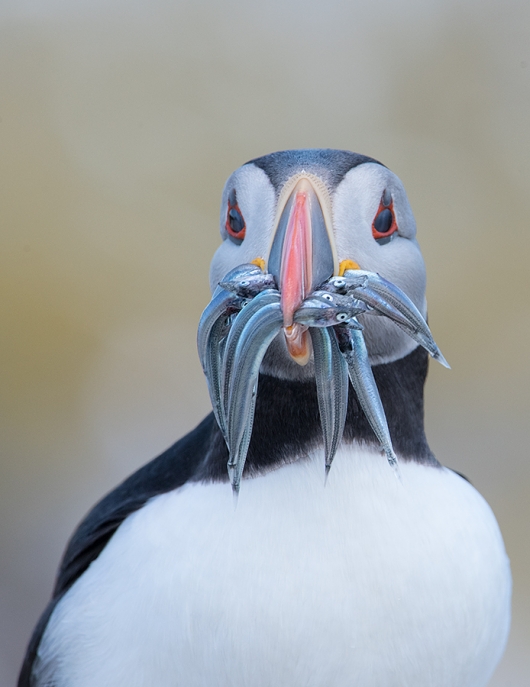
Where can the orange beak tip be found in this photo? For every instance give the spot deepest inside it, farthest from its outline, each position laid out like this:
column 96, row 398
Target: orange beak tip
column 298, row 343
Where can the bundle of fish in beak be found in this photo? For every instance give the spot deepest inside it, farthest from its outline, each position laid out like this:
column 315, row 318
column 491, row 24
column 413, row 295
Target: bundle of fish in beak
column 245, row 315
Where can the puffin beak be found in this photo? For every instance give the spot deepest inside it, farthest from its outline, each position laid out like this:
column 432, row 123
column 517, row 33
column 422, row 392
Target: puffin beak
column 302, row 256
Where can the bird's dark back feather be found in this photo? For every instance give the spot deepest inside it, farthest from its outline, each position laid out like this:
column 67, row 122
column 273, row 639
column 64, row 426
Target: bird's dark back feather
column 168, row 471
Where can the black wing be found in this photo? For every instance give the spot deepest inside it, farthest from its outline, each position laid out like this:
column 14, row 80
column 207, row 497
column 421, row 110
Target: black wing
column 172, row 469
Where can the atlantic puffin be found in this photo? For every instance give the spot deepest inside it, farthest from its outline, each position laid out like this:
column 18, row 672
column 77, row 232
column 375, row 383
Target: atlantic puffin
column 304, row 534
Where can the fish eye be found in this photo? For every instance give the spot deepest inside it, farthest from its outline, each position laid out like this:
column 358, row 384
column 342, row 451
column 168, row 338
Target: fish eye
column 245, row 282
column 342, row 317
column 328, row 297
column 235, row 224
column 339, row 281
column 384, row 225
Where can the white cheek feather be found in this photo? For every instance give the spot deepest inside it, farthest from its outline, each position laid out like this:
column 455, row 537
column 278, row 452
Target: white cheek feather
column 368, row 581
column 257, row 201
column 355, row 204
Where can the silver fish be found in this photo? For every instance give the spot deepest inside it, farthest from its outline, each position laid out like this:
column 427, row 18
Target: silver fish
column 247, row 269
column 411, row 322
column 249, row 285
column 237, row 327
column 343, row 285
column 378, row 305
column 253, row 342
column 323, row 309
column 388, row 300
column 213, row 328
column 211, row 335
column 331, row 374
column 353, row 348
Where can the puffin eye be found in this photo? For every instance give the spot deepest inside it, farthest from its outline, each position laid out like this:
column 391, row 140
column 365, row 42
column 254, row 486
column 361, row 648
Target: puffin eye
column 235, row 224
column 384, row 225
column 383, row 221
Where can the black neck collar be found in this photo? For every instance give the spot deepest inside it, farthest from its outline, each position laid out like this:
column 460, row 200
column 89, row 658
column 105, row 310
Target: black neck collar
column 287, row 421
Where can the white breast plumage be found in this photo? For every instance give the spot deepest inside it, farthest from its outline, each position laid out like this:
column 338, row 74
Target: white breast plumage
column 367, row 580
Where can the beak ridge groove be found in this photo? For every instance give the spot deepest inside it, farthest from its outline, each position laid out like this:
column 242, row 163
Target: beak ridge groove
column 301, row 258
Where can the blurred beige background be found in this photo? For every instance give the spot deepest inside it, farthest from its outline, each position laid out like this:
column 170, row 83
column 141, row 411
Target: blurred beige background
column 120, row 122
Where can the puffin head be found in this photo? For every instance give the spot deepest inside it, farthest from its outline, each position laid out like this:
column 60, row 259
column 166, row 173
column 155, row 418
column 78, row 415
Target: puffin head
column 319, row 276
column 307, row 215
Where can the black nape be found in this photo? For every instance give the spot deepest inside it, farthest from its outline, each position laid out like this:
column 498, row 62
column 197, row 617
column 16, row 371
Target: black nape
column 328, row 164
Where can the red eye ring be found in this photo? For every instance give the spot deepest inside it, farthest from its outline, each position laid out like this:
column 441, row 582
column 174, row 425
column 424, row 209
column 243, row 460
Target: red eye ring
column 385, row 208
column 235, row 224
